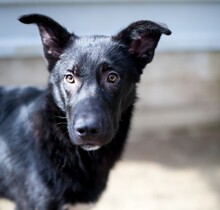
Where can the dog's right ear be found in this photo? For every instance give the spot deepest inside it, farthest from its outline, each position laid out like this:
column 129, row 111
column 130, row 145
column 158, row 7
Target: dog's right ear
column 54, row 37
column 141, row 39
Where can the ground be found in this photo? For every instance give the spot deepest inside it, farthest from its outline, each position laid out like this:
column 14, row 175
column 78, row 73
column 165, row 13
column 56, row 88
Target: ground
column 166, row 170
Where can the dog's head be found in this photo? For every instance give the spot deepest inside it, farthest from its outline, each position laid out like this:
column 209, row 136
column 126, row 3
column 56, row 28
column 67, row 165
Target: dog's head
column 93, row 78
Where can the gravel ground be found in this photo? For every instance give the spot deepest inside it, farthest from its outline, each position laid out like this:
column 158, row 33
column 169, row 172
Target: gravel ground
column 165, row 171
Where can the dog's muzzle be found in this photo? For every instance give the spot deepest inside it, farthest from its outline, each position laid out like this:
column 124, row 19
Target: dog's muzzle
column 89, row 132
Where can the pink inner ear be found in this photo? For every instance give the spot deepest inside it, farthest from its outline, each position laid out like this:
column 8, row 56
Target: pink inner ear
column 49, row 43
column 46, row 38
column 143, row 45
column 135, row 45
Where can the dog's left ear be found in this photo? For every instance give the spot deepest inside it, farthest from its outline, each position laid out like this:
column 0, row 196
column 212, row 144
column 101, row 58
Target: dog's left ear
column 54, row 37
column 141, row 39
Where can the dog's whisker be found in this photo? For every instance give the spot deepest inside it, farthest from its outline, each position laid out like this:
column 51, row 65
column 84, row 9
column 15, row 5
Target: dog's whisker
column 60, row 117
column 61, row 123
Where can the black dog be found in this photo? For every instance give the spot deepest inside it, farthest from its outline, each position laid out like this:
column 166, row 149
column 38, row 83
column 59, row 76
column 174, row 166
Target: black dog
column 58, row 145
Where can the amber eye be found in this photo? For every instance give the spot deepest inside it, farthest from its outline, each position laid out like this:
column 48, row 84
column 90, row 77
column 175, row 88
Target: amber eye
column 112, row 77
column 69, row 78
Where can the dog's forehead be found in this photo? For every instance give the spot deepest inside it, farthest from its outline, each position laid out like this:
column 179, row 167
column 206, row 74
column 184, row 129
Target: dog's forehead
column 89, row 52
column 93, row 46
column 97, row 41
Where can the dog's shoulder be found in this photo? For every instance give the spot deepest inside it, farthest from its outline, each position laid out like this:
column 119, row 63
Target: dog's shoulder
column 12, row 98
column 19, row 94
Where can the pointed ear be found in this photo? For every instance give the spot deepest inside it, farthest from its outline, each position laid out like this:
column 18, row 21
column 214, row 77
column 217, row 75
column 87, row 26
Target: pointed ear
column 141, row 39
column 54, row 37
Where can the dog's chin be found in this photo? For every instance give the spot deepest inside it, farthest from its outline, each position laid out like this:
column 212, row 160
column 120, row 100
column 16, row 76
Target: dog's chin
column 89, row 147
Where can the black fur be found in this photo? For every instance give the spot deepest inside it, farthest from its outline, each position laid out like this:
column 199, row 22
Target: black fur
column 57, row 145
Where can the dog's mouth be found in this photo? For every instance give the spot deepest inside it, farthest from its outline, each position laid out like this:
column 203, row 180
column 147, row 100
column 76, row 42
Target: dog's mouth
column 90, row 147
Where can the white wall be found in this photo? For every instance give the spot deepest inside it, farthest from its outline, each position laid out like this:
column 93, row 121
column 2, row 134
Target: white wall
column 195, row 26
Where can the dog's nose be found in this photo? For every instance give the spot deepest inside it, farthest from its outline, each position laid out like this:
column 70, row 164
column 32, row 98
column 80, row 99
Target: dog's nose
column 87, row 127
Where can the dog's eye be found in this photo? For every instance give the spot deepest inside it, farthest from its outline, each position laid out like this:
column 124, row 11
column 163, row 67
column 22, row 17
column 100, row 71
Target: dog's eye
column 112, row 77
column 69, row 78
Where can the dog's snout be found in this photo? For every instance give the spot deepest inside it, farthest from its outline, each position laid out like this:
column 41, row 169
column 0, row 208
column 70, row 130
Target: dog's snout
column 91, row 124
column 87, row 127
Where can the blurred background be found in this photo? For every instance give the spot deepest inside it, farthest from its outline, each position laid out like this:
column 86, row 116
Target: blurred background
column 172, row 159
